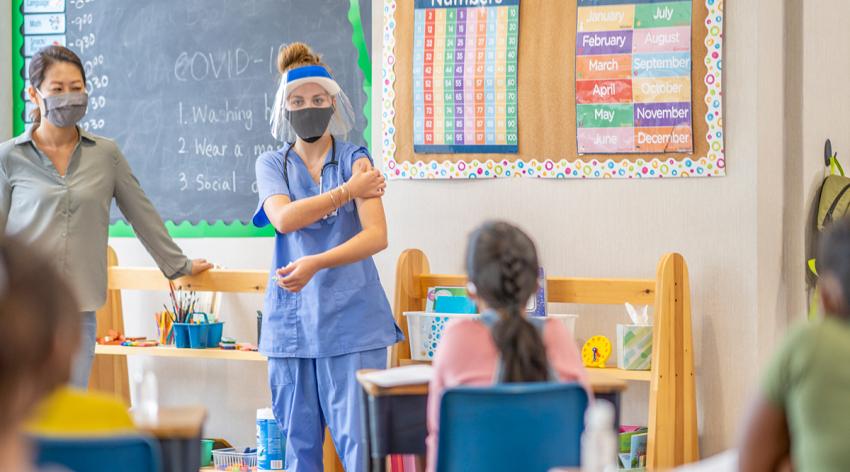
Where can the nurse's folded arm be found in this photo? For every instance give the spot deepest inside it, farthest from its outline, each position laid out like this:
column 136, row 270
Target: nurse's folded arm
column 287, row 216
column 371, row 240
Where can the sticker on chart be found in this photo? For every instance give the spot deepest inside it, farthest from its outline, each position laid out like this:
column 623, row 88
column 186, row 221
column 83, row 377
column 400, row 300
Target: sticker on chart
column 44, row 6
column 32, row 44
column 44, row 24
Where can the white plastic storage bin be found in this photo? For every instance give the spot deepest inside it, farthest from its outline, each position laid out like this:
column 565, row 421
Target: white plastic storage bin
column 425, row 331
column 231, row 460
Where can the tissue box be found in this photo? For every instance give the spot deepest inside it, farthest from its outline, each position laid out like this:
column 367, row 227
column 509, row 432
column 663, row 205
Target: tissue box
column 634, row 346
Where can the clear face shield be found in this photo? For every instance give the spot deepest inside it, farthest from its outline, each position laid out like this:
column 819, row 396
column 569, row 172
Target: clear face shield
column 299, row 109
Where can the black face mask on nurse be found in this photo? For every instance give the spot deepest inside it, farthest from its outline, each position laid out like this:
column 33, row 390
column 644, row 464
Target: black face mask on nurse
column 310, row 123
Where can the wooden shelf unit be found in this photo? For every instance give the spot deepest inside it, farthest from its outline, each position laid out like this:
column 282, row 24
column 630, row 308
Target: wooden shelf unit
column 673, row 434
column 169, row 351
column 613, row 372
column 109, row 371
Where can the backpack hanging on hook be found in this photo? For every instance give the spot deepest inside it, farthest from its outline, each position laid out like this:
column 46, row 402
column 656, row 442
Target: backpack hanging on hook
column 833, row 203
column 834, row 199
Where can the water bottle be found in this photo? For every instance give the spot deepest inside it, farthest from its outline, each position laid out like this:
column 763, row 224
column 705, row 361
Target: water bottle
column 271, row 443
column 148, row 398
column 599, row 440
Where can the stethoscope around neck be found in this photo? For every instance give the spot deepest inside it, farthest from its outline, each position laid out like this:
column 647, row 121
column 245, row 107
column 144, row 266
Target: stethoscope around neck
column 332, row 163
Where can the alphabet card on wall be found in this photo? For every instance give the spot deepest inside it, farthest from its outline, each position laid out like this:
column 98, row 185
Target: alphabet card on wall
column 633, row 76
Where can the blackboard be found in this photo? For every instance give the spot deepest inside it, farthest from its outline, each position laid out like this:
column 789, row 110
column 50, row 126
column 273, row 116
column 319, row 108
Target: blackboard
column 186, row 88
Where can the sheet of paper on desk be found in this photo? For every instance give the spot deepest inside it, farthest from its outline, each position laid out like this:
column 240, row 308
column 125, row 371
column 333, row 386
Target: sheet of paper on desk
column 407, row 375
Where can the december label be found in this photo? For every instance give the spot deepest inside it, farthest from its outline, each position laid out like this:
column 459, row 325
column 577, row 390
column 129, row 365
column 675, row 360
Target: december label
column 663, row 139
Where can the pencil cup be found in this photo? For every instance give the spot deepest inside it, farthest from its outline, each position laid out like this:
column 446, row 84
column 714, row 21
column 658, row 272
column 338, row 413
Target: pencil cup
column 166, row 337
column 634, row 347
column 181, row 334
column 206, row 452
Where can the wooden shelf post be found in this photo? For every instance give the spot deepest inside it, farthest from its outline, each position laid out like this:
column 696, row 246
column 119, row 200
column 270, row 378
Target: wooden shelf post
column 673, row 436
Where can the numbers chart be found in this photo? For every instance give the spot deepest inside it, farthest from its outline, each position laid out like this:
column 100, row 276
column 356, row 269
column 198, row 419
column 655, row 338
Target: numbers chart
column 465, row 76
column 633, row 76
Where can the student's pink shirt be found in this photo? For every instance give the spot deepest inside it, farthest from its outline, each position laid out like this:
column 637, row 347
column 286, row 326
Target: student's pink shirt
column 468, row 356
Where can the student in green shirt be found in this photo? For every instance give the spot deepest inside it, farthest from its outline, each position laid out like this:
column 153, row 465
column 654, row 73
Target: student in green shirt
column 802, row 417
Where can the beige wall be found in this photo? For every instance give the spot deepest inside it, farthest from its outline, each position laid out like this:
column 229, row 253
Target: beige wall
column 800, row 185
column 744, row 273
column 729, row 229
column 823, row 66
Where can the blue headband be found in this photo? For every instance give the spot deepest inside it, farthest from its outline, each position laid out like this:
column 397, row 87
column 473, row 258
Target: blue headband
column 307, row 71
column 311, row 74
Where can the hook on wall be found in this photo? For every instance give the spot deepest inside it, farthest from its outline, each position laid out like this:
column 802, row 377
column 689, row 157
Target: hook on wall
column 827, row 152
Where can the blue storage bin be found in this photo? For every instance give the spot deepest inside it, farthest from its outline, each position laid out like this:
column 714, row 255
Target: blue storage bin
column 215, row 332
column 181, row 334
column 198, row 335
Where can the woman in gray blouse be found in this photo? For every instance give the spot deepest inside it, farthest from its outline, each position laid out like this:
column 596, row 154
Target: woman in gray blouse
column 57, row 183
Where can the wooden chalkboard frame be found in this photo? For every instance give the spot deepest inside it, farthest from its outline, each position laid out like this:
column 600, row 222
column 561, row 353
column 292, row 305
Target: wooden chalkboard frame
column 547, row 143
column 203, row 229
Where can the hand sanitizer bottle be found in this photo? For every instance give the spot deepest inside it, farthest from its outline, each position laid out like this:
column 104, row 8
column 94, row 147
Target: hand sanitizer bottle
column 148, row 391
column 599, row 441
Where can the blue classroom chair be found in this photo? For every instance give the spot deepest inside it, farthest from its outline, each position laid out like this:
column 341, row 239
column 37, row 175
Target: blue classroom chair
column 530, row 427
column 99, row 454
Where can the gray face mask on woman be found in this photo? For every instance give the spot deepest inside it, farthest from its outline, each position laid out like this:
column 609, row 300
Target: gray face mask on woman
column 66, row 109
column 310, row 123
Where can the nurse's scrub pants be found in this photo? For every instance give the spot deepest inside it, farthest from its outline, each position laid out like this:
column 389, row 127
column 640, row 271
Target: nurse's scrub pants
column 308, row 394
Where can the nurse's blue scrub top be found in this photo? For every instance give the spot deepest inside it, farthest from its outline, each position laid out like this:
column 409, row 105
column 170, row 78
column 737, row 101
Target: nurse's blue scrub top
column 340, row 310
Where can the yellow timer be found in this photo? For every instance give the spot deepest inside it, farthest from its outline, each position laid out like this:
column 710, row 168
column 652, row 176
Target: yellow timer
column 596, row 351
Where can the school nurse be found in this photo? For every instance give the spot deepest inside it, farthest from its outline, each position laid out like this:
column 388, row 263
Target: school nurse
column 57, row 183
column 326, row 314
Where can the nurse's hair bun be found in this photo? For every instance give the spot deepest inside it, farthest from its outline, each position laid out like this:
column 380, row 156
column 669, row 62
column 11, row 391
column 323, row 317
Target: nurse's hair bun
column 297, row 55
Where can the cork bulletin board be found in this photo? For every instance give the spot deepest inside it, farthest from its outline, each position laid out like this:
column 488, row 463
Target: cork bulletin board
column 547, row 145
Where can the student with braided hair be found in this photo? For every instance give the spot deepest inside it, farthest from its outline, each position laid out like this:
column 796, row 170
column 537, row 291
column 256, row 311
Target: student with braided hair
column 503, row 345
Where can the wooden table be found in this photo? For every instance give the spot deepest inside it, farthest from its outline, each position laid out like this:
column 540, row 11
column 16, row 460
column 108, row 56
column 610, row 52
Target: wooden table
column 394, row 418
column 178, row 431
